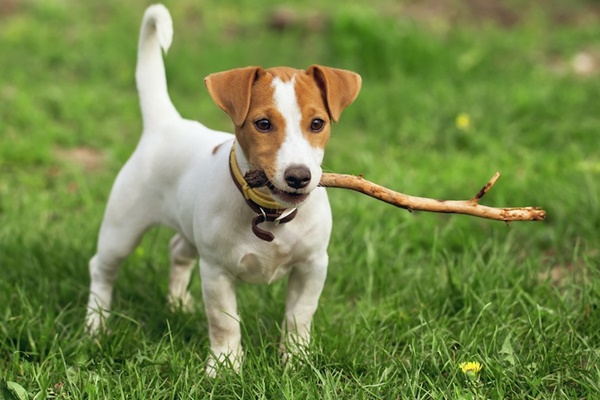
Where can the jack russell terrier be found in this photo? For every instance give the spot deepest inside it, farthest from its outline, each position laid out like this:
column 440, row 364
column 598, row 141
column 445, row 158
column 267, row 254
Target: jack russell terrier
column 191, row 178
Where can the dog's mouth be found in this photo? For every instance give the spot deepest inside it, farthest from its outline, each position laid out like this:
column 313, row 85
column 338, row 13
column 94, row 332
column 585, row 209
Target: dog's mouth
column 287, row 198
column 258, row 178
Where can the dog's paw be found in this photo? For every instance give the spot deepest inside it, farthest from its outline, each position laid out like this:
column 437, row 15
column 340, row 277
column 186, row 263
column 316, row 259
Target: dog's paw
column 223, row 363
column 293, row 354
column 184, row 303
column 95, row 322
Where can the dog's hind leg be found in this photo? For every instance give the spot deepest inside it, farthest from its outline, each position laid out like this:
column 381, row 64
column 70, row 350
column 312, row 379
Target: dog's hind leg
column 183, row 258
column 122, row 228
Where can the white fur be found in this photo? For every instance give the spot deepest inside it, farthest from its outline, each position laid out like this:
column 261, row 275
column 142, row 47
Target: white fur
column 174, row 179
column 296, row 149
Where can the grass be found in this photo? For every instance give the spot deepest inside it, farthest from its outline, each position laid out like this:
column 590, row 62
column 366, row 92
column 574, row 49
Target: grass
column 409, row 296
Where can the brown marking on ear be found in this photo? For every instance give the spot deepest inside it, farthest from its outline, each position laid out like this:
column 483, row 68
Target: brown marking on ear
column 231, row 91
column 339, row 87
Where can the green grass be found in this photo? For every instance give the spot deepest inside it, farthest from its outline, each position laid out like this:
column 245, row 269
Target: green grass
column 409, row 296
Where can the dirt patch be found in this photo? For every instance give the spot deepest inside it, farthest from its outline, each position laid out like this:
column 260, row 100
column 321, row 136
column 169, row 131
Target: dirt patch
column 87, row 158
column 561, row 272
column 473, row 11
column 9, row 7
column 503, row 13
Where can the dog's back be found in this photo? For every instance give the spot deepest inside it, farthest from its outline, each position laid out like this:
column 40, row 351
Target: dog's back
column 185, row 145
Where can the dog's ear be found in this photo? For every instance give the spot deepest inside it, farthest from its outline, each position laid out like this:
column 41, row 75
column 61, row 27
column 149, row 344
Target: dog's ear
column 231, row 91
column 339, row 87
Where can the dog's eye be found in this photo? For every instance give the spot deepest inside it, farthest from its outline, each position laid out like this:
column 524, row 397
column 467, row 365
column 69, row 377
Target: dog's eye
column 263, row 125
column 317, row 125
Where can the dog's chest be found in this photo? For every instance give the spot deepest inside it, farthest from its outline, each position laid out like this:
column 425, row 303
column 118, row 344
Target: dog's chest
column 266, row 266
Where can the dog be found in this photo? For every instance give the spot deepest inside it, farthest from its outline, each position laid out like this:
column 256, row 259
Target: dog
column 192, row 179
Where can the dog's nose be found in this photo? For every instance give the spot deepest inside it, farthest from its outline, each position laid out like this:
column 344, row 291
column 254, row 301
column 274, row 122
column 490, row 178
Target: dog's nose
column 297, row 176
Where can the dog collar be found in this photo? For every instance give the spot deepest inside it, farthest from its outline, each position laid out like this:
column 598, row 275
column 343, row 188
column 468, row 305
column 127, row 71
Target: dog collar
column 266, row 208
column 261, row 199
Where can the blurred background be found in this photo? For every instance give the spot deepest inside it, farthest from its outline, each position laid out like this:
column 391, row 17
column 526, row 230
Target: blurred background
column 453, row 91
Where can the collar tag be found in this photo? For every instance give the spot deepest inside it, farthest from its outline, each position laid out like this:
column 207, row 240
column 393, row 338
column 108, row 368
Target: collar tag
column 284, row 214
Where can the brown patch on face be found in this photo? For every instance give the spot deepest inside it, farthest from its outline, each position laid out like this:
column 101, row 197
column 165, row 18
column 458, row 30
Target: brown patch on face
column 321, row 93
column 312, row 106
column 284, row 73
column 260, row 148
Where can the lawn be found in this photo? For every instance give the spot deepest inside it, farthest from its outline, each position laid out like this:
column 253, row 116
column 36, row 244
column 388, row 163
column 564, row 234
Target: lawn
column 452, row 92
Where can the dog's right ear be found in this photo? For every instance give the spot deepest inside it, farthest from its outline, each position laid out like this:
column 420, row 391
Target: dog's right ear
column 340, row 87
column 231, row 91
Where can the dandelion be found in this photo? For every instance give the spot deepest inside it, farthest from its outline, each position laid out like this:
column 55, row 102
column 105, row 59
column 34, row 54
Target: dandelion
column 463, row 121
column 470, row 368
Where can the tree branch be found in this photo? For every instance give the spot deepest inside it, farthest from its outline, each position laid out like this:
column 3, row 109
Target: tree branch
column 412, row 203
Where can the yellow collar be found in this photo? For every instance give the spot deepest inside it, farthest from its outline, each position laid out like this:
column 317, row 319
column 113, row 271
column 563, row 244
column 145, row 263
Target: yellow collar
column 261, row 199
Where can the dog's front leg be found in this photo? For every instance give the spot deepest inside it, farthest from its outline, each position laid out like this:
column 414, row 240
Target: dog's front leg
column 305, row 285
column 218, row 293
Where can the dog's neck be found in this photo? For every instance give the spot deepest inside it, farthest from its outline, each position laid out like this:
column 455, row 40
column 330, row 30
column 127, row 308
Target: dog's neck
column 266, row 208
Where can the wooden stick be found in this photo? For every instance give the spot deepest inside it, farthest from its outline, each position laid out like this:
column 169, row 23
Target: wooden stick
column 413, row 203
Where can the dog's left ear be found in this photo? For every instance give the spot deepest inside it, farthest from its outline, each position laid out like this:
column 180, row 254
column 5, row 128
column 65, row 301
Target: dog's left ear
column 339, row 86
column 231, row 91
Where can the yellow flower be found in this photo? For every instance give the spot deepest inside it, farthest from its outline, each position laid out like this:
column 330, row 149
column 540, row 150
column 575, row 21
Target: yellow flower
column 463, row 121
column 471, row 367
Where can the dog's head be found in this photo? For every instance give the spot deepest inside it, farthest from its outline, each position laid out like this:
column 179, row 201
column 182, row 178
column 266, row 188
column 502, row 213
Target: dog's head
column 282, row 120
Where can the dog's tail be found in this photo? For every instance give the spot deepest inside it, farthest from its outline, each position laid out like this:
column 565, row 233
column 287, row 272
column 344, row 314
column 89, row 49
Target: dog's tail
column 156, row 34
